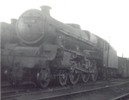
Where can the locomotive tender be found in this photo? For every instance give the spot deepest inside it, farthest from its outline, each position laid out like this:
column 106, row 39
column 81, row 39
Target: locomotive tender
column 49, row 50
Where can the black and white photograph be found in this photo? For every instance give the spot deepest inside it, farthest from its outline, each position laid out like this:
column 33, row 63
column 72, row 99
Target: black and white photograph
column 64, row 49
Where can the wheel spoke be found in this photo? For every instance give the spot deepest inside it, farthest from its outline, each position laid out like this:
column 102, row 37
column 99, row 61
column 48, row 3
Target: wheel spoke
column 43, row 77
column 74, row 77
column 85, row 77
column 94, row 76
column 62, row 78
column 94, row 73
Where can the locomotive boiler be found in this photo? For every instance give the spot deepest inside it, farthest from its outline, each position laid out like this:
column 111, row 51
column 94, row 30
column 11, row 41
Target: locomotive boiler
column 52, row 50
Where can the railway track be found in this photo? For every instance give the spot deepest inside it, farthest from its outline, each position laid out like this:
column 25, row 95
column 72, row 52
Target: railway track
column 122, row 97
column 68, row 92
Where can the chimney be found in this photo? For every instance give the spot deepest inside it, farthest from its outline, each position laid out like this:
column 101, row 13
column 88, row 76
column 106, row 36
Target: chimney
column 45, row 10
column 13, row 21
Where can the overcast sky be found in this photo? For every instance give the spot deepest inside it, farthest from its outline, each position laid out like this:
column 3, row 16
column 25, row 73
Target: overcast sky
column 105, row 18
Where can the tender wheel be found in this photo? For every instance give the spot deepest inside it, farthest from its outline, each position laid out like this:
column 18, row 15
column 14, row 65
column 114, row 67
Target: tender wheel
column 63, row 78
column 85, row 77
column 43, row 77
column 74, row 77
column 94, row 73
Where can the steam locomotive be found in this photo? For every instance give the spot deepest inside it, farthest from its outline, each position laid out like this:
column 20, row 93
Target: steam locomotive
column 49, row 49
